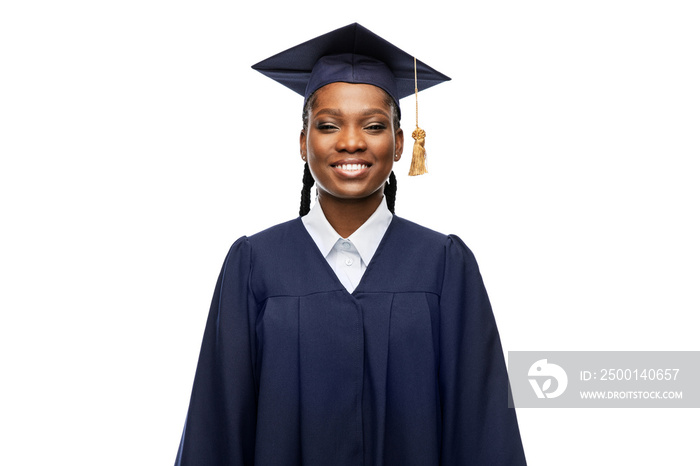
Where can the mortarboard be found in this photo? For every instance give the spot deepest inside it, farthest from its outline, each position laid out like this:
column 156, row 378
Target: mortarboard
column 354, row 54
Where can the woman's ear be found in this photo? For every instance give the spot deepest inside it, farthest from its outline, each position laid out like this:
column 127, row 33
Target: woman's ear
column 302, row 145
column 398, row 145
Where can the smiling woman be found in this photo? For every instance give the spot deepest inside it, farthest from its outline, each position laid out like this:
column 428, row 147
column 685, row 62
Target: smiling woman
column 330, row 341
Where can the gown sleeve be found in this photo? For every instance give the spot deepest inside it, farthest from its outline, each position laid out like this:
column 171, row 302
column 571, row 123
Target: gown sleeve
column 220, row 424
column 478, row 427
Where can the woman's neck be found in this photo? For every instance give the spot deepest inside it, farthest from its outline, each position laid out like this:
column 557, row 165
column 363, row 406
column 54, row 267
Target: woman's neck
column 347, row 215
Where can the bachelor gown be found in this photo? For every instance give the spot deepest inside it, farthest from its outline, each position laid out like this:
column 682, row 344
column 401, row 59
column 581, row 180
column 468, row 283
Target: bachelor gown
column 407, row 370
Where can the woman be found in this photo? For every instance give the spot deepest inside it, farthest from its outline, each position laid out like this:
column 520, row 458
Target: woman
column 350, row 336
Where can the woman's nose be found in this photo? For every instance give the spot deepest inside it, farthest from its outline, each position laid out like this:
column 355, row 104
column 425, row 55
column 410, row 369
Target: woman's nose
column 351, row 140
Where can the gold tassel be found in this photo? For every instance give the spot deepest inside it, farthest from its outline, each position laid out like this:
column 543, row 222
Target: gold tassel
column 418, row 161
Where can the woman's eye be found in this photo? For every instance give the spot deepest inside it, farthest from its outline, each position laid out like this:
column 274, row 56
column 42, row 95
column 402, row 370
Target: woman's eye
column 326, row 126
column 376, row 127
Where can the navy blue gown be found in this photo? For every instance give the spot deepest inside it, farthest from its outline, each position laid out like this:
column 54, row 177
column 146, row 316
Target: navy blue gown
column 294, row 370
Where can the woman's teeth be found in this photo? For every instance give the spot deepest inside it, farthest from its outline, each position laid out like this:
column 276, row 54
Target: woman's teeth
column 352, row 166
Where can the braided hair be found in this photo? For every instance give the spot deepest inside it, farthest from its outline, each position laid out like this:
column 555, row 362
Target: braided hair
column 390, row 192
column 308, row 180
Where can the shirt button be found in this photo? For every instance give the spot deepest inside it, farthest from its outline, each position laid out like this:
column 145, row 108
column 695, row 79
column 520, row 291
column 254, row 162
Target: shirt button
column 348, row 262
column 346, row 245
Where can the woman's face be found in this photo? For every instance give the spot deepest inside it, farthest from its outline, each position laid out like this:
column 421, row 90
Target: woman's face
column 350, row 142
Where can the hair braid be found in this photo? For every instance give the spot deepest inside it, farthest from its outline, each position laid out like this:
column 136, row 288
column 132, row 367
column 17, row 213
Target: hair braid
column 390, row 192
column 308, row 181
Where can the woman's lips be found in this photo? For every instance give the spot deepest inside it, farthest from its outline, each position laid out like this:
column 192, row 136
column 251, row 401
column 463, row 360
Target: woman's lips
column 351, row 169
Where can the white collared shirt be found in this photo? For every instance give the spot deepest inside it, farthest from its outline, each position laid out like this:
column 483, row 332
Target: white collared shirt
column 348, row 257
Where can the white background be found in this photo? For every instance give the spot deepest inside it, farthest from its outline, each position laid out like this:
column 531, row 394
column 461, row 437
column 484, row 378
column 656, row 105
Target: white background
column 137, row 144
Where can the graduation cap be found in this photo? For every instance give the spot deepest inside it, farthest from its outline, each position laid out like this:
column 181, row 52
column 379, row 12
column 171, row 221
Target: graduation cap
column 354, row 54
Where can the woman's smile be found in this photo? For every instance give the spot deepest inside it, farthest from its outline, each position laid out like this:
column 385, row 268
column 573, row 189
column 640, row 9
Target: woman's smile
column 351, row 169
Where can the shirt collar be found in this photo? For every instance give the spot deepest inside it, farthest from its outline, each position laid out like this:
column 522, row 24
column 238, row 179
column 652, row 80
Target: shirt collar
column 366, row 238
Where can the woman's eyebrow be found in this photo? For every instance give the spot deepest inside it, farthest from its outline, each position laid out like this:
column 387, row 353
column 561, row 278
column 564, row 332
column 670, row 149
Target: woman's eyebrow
column 375, row 111
column 329, row 111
